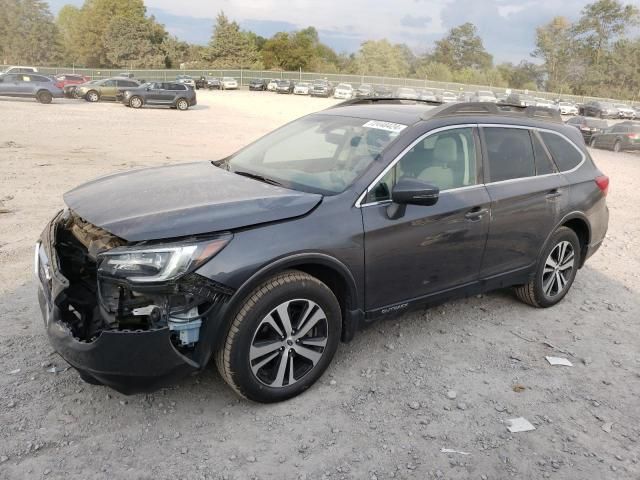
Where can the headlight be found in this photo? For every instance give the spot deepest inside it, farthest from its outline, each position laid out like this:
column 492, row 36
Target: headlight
column 160, row 263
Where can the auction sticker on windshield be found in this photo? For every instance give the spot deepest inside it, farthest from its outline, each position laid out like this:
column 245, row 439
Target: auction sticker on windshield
column 388, row 126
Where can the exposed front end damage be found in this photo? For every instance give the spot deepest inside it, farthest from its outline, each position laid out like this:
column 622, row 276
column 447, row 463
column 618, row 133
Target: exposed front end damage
column 115, row 328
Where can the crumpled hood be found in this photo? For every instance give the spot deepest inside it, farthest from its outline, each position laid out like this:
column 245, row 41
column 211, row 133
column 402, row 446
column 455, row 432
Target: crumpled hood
column 182, row 200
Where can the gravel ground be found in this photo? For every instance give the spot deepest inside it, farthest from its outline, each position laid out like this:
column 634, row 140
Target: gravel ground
column 404, row 389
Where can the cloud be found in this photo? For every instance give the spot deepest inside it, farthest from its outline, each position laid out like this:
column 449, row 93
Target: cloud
column 414, row 22
column 506, row 26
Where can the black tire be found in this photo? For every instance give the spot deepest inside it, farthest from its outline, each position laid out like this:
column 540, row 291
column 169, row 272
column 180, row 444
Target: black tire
column 533, row 292
column 136, row 102
column 92, row 96
column 592, row 143
column 182, row 104
column 234, row 357
column 617, row 146
column 44, row 97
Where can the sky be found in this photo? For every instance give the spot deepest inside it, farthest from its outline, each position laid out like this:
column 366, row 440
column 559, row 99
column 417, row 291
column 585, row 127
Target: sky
column 507, row 27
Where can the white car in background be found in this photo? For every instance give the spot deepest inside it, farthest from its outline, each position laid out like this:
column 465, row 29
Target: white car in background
column 301, row 88
column 186, row 80
column 625, row 111
column 567, row 108
column 484, row 96
column 229, row 83
column 448, row 97
column 543, row 102
column 19, row 69
column 427, row 95
column 343, row 91
column 272, row 85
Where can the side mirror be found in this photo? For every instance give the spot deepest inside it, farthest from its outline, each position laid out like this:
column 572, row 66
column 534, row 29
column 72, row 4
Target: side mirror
column 410, row 191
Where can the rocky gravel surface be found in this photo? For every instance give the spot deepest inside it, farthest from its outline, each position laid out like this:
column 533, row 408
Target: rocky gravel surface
column 423, row 396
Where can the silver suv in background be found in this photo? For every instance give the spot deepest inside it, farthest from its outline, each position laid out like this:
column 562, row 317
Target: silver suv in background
column 19, row 69
column 42, row 88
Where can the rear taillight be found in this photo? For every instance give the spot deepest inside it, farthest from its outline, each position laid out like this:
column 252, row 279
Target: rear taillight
column 603, row 184
column 59, row 84
column 633, row 136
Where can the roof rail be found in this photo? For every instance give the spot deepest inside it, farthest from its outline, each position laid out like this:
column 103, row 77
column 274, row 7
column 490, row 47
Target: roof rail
column 384, row 100
column 486, row 108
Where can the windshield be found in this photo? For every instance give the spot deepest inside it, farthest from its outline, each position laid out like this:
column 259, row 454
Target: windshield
column 318, row 153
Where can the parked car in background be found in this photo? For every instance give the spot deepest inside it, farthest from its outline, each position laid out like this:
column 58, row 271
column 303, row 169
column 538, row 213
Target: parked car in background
column 106, row 89
column 344, row 91
column 272, row 85
column 266, row 260
column 285, row 86
column 465, row 96
column 71, row 91
column 364, row 90
column 186, row 80
column 501, row 98
column 213, row 83
column 543, row 102
column 19, row 69
column 588, row 126
column 40, row 87
column 382, row 91
column 407, row 93
column 64, row 79
column 484, row 96
column 175, row 95
column 258, row 84
column 321, row 88
column 201, row 82
column 521, row 99
column 567, row 108
column 427, row 95
column 625, row 111
column 125, row 75
column 447, row 97
column 623, row 136
column 229, row 83
column 302, row 88
column 599, row 109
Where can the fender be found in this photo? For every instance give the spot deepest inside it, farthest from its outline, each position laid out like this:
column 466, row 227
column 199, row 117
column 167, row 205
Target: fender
column 351, row 317
column 569, row 216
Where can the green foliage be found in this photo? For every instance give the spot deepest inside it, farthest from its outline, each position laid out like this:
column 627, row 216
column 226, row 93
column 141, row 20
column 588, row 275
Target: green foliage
column 131, row 41
column 380, row 57
column 462, row 48
column 298, row 50
column 27, row 32
column 229, row 46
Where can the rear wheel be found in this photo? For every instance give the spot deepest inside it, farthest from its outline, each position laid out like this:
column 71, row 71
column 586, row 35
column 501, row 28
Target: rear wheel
column 282, row 339
column 92, row 96
column 44, row 96
column 182, row 104
column 617, row 146
column 556, row 270
column 135, row 102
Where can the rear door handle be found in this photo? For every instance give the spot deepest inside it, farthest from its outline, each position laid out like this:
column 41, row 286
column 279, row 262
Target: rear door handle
column 555, row 193
column 476, row 214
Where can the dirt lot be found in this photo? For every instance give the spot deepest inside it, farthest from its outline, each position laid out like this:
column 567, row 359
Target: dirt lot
column 383, row 408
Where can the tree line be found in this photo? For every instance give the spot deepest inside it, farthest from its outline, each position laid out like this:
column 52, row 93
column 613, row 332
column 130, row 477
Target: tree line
column 594, row 55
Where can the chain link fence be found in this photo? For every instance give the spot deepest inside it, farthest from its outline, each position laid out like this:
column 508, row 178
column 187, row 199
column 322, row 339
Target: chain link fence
column 245, row 76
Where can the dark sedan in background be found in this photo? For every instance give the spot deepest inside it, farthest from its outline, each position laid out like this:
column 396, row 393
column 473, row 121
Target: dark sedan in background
column 599, row 109
column 42, row 88
column 174, row 95
column 285, row 86
column 259, row 84
column 588, row 126
column 623, row 136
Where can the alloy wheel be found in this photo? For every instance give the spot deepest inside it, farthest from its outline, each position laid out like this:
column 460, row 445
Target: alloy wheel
column 135, row 102
column 288, row 343
column 182, row 105
column 93, row 96
column 558, row 269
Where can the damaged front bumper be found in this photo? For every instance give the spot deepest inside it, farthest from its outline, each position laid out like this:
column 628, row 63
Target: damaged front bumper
column 114, row 333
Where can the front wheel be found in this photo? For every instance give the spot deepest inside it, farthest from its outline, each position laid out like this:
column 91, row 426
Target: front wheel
column 135, row 102
column 92, row 96
column 282, row 339
column 182, row 104
column 555, row 272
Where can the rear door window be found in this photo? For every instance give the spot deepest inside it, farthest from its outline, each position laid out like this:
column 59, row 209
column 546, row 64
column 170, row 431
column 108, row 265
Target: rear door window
column 509, row 153
column 564, row 153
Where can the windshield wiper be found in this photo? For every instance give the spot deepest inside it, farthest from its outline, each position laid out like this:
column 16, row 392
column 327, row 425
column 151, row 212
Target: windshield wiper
column 261, row 178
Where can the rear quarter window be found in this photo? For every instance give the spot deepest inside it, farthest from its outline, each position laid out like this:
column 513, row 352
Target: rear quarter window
column 565, row 155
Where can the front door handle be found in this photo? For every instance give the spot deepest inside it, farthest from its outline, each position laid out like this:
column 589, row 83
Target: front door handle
column 476, row 214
